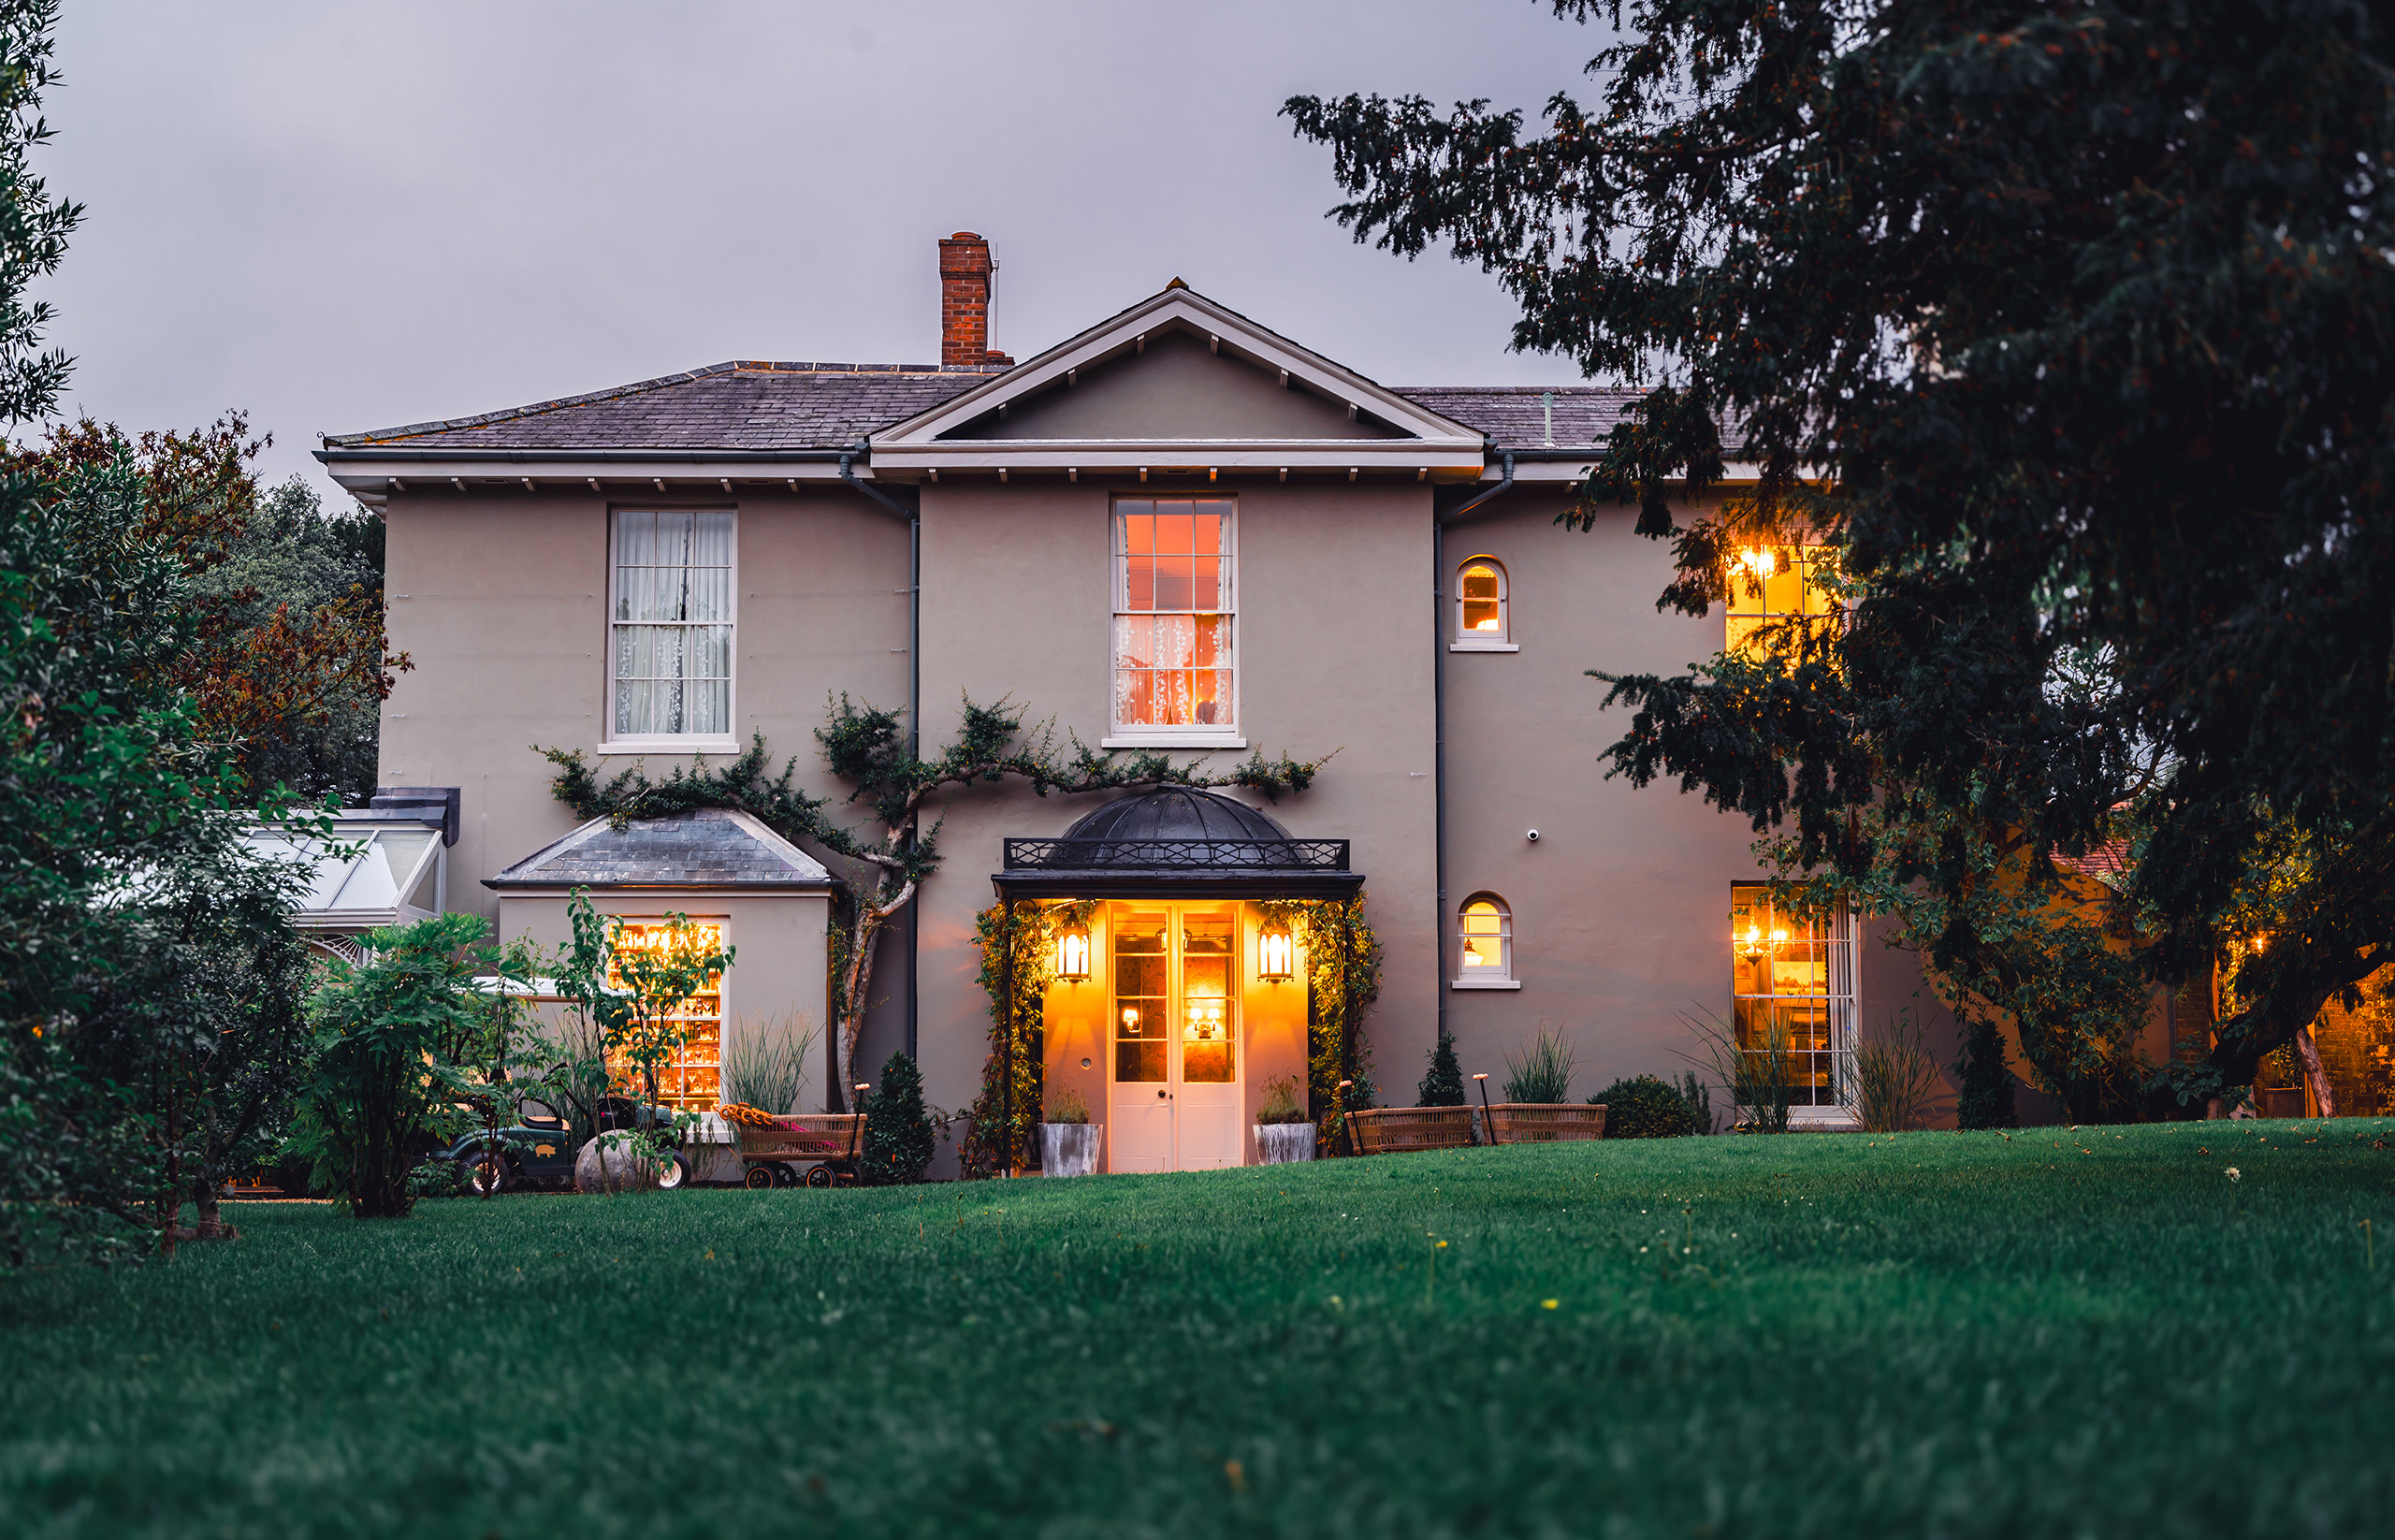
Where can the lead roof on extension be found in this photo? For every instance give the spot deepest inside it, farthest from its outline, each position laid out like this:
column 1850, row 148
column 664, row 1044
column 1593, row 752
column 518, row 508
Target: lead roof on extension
column 706, row 848
column 750, row 406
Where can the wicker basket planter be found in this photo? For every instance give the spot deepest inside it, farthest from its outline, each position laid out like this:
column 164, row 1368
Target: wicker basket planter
column 1394, row 1130
column 1070, row 1149
column 1279, row 1143
column 1545, row 1121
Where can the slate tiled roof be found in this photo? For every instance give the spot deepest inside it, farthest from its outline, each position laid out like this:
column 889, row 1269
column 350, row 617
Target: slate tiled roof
column 754, row 406
column 734, row 406
column 1515, row 416
column 709, row 848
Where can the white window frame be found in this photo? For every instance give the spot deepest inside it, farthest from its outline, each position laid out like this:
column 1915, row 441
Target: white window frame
column 1840, row 1011
column 1502, row 977
column 1134, row 736
column 611, row 742
column 1481, row 641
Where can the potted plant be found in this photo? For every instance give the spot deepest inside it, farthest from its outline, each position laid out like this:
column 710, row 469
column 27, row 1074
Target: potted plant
column 1069, row 1140
column 1536, row 1110
column 1281, row 1132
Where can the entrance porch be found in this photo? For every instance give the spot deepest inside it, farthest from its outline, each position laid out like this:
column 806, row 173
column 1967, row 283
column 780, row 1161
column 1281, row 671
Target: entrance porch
column 1179, row 1002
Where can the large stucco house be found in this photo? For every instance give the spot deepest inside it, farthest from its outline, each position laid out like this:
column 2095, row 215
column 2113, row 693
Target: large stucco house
column 1179, row 529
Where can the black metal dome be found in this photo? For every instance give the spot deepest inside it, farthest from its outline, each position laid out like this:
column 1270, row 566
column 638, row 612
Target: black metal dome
column 1176, row 838
column 1177, row 812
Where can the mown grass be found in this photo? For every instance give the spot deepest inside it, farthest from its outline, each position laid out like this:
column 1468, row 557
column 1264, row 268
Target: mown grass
column 2088, row 1333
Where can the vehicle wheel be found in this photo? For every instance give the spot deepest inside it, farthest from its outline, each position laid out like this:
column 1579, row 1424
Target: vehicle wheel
column 676, row 1172
column 820, row 1176
column 783, row 1175
column 759, row 1178
column 483, row 1175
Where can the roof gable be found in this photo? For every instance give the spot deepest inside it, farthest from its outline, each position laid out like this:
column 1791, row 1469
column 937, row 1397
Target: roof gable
column 706, row 848
column 1099, row 399
column 1176, row 386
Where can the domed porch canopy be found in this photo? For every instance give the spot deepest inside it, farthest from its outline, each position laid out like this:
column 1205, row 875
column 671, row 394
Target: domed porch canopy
column 1176, row 840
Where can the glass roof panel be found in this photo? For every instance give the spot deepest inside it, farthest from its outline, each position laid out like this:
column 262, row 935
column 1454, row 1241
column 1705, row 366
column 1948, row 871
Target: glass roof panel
column 325, row 869
column 390, row 862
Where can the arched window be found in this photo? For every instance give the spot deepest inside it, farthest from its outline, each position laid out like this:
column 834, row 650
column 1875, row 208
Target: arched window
column 1484, row 944
column 1483, row 619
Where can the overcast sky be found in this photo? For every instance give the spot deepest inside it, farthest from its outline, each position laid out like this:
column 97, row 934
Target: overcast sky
column 348, row 216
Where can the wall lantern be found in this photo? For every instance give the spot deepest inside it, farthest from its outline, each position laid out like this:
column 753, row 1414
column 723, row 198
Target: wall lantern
column 1072, row 953
column 1276, row 953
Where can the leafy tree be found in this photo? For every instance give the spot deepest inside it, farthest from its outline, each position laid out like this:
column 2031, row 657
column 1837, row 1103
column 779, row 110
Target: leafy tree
column 304, row 587
column 34, row 226
column 892, row 856
column 397, row 1040
column 897, row 1132
column 1443, row 1083
column 2068, row 331
column 289, row 659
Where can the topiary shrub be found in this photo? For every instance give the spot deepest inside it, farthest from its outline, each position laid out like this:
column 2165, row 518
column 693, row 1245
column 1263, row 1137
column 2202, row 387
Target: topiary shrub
column 1646, row 1108
column 1985, row 1099
column 897, row 1134
column 1442, row 1086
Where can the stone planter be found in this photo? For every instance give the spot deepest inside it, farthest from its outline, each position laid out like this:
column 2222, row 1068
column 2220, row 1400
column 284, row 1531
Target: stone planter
column 610, row 1167
column 1278, row 1143
column 1070, row 1149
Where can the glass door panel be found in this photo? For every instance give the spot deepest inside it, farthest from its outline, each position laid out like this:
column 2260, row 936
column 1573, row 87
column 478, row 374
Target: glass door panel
column 1209, row 1029
column 1142, row 991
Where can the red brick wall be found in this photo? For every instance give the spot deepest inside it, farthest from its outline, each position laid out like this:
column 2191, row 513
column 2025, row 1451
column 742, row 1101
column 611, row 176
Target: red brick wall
column 965, row 269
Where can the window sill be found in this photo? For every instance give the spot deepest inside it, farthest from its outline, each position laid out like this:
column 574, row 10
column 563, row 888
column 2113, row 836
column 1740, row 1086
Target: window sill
column 1483, row 984
column 1476, row 645
column 1172, row 737
column 672, row 746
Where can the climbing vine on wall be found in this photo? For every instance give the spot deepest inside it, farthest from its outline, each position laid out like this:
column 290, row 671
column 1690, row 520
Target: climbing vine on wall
column 996, row 1142
column 1342, row 981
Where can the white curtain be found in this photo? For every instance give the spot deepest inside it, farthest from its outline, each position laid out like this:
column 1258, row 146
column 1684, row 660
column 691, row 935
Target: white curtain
column 672, row 644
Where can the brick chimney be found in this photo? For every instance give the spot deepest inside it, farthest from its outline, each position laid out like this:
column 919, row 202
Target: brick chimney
column 965, row 269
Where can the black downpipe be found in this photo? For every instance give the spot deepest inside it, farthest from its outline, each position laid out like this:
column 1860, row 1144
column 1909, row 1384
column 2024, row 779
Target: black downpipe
column 1439, row 523
column 914, row 518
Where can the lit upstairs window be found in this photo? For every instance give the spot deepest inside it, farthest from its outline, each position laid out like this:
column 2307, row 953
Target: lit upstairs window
column 1175, row 584
column 1775, row 596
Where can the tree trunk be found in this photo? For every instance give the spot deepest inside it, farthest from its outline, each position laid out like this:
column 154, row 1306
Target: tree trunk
column 2323, row 1094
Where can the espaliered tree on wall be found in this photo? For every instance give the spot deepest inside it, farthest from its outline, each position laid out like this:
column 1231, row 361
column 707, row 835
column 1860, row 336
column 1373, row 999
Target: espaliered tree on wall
column 2069, row 331
column 892, row 855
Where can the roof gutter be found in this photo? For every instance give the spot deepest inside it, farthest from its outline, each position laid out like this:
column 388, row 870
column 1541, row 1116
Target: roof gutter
column 1439, row 523
column 914, row 518
column 332, row 453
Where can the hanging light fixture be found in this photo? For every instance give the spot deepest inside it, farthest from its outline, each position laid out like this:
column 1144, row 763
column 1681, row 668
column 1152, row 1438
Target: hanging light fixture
column 1072, row 953
column 1275, row 952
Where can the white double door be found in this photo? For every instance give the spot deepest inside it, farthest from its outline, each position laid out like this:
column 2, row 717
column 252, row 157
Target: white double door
column 1175, row 1099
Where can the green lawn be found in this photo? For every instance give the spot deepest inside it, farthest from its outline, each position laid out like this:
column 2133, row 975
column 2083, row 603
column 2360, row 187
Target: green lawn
column 2095, row 1333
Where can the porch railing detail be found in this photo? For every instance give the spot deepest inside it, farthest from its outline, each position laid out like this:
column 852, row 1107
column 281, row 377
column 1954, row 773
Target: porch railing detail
column 1081, row 855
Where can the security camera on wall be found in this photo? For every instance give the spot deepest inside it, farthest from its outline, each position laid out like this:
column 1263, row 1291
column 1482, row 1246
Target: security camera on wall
column 1533, row 836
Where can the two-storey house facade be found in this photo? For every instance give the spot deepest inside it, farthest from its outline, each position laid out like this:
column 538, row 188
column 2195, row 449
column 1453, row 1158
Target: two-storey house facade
column 1179, row 529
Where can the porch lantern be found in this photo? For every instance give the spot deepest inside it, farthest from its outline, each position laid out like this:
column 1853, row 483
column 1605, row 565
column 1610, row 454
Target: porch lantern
column 1072, row 953
column 1276, row 953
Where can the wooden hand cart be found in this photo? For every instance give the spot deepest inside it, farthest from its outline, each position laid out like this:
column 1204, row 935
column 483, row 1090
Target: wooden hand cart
column 774, row 1151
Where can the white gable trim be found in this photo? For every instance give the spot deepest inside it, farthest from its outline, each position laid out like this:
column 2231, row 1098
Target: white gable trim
column 1439, row 443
